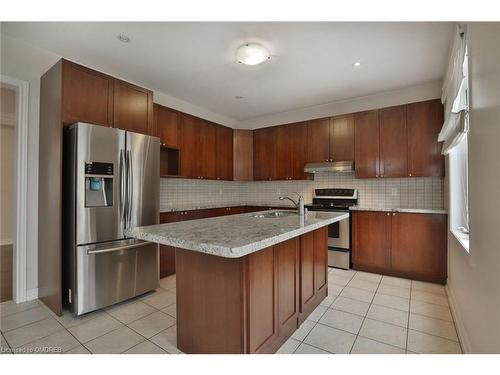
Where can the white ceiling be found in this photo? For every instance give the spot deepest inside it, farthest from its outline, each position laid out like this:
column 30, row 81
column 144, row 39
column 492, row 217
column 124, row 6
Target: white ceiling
column 311, row 63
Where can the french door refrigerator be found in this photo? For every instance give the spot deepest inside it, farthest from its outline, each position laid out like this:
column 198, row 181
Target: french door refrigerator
column 111, row 182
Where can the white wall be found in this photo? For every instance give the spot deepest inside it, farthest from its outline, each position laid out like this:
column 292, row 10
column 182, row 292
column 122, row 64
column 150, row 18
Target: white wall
column 473, row 279
column 22, row 61
column 426, row 91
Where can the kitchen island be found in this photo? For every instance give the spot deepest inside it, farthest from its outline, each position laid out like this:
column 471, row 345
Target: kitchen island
column 245, row 282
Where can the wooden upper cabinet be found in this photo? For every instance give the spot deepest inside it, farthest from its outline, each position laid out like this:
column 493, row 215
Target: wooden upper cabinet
column 87, row 95
column 366, row 144
column 207, row 156
column 342, row 138
column 419, row 245
column 263, row 153
column 190, row 146
column 223, row 153
column 298, row 136
column 242, row 155
column 371, row 236
column 167, row 123
column 133, row 108
column 424, row 120
column 283, row 156
column 318, row 140
column 393, row 142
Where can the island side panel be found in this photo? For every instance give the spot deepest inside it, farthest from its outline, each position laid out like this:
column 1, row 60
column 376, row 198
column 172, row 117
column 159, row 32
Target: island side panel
column 210, row 298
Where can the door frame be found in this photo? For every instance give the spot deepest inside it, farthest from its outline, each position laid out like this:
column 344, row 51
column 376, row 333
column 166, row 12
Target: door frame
column 20, row 293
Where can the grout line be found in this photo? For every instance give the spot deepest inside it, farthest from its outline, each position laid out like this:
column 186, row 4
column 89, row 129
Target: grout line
column 408, row 323
column 364, row 318
column 18, row 312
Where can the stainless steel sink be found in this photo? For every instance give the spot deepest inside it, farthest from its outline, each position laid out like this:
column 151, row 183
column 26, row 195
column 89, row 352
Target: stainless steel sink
column 272, row 214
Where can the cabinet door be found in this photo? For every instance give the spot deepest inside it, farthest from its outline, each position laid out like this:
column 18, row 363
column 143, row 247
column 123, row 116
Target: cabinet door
column 262, row 298
column 321, row 258
column 419, row 245
column 318, row 140
column 88, row 95
column 342, row 138
column 298, row 135
column 167, row 123
column 263, row 154
column 366, row 144
column 307, row 282
column 223, row 153
column 371, row 234
column 283, row 156
column 425, row 120
column 167, row 260
column 393, row 142
column 133, row 108
column 190, row 146
column 208, row 150
column 287, row 256
column 242, row 155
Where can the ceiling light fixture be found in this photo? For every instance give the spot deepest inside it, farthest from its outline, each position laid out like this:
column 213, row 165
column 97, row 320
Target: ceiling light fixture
column 123, row 38
column 252, row 54
column 357, row 64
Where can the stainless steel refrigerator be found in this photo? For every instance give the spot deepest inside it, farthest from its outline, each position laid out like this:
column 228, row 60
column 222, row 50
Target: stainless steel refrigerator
column 111, row 182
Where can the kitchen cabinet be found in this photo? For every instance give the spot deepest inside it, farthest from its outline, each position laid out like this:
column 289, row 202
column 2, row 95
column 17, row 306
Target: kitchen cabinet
column 419, row 245
column 282, row 156
column 260, row 296
column 88, row 95
column 132, row 108
column 371, row 239
column 410, row 245
column 366, row 144
column 242, row 155
column 207, row 135
column 342, row 138
column 223, row 153
column 264, row 151
column 318, row 140
column 313, row 271
column 424, row 121
column 393, row 142
column 167, row 123
column 298, row 137
column 191, row 166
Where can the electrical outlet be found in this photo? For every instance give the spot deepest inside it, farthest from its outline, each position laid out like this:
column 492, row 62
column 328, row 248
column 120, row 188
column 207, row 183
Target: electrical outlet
column 394, row 192
column 278, row 191
column 220, row 191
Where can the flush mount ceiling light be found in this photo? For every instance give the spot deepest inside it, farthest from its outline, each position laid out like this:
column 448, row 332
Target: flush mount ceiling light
column 123, row 38
column 252, row 54
column 357, row 64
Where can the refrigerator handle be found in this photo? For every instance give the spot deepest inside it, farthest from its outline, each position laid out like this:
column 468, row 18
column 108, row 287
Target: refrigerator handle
column 123, row 198
column 130, row 184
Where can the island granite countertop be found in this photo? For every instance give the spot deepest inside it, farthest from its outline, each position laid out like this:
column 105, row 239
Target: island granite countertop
column 234, row 236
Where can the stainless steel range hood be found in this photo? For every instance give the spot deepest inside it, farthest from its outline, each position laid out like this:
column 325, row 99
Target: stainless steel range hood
column 330, row 166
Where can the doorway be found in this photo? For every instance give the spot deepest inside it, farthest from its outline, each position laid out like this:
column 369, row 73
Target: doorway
column 13, row 188
column 8, row 124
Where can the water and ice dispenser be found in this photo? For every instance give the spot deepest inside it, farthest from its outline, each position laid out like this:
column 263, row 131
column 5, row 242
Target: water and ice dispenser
column 98, row 184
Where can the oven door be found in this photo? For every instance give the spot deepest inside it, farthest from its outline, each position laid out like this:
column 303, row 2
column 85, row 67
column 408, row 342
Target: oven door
column 338, row 234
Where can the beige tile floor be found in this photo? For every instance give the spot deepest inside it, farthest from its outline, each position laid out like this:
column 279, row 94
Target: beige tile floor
column 364, row 313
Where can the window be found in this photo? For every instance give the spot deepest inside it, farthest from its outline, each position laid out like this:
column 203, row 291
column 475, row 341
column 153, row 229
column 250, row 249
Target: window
column 455, row 135
column 459, row 192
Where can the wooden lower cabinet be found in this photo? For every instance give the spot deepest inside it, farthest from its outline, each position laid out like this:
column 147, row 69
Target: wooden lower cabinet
column 313, row 263
column 250, row 304
column 410, row 245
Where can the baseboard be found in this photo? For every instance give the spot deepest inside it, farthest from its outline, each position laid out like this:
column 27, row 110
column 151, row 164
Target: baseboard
column 459, row 323
column 31, row 294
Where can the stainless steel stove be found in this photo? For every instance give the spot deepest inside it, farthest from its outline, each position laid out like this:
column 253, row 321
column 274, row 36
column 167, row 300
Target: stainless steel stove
column 339, row 237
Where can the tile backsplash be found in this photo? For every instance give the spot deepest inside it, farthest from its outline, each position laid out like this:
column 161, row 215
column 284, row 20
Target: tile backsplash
column 415, row 192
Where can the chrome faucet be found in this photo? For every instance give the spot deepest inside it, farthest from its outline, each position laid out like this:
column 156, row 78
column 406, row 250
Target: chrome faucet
column 299, row 205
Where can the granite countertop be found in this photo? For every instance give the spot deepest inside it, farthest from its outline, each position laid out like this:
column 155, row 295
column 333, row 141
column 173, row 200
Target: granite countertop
column 202, row 206
column 398, row 209
column 234, row 236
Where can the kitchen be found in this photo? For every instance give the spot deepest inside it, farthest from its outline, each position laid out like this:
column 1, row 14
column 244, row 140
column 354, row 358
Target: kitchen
column 323, row 228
